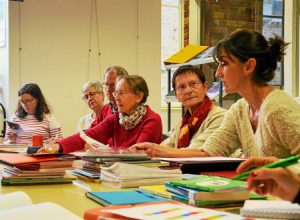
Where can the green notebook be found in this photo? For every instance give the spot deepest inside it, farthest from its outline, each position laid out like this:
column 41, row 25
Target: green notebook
column 211, row 184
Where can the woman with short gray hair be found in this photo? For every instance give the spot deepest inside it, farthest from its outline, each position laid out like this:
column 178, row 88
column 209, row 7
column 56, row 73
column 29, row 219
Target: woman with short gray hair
column 93, row 96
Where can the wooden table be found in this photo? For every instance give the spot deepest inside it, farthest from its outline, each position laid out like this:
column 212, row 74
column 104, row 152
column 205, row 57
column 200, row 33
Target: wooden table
column 70, row 196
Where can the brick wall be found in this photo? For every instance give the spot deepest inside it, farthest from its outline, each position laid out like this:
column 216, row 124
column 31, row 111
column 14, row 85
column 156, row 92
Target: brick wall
column 186, row 26
column 221, row 17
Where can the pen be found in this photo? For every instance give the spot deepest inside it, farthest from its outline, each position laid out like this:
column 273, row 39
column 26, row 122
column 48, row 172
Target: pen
column 282, row 163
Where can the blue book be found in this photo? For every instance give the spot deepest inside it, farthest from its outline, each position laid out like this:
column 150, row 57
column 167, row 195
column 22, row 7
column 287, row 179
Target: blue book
column 124, row 197
column 179, row 190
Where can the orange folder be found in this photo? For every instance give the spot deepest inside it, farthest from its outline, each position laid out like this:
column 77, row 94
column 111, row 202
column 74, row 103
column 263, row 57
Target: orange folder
column 18, row 159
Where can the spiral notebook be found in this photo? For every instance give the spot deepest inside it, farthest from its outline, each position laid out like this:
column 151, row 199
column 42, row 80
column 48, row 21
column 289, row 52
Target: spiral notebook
column 271, row 209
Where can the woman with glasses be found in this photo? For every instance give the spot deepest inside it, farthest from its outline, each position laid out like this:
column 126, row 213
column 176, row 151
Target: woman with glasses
column 92, row 94
column 34, row 117
column 200, row 120
column 134, row 122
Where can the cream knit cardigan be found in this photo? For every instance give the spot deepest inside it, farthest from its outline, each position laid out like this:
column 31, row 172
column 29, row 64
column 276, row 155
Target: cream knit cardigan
column 277, row 133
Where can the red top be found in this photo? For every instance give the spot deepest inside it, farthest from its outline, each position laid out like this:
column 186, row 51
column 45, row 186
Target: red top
column 105, row 112
column 148, row 130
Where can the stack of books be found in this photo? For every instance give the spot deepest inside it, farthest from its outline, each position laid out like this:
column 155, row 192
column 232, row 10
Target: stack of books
column 208, row 191
column 13, row 148
column 204, row 191
column 124, row 175
column 89, row 168
column 21, row 169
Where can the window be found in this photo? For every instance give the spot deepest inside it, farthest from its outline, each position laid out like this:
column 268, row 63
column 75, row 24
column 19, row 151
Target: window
column 170, row 37
column 273, row 25
column 2, row 22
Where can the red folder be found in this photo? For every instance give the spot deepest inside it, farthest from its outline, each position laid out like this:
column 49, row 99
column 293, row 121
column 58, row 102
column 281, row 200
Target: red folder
column 223, row 173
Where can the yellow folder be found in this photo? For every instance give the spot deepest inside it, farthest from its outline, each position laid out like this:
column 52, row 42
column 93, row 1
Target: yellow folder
column 185, row 54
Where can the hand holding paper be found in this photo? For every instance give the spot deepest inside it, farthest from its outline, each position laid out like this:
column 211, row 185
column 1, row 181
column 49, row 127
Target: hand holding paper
column 93, row 142
column 54, row 140
column 49, row 149
column 15, row 127
column 12, row 138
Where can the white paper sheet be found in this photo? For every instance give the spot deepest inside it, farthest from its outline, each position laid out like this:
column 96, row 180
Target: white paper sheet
column 172, row 211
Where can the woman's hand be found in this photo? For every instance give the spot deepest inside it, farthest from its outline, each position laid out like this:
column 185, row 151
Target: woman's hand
column 154, row 150
column 89, row 147
column 279, row 182
column 49, row 149
column 254, row 162
column 53, row 140
column 12, row 138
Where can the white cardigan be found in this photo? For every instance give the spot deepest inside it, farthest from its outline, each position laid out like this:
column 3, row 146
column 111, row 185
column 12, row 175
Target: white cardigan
column 277, row 133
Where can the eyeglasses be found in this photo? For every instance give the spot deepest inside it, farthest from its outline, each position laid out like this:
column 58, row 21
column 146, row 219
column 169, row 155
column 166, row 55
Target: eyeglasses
column 89, row 95
column 27, row 101
column 108, row 86
column 182, row 87
column 119, row 93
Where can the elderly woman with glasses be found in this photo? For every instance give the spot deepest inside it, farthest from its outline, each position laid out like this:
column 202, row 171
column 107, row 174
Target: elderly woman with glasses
column 199, row 121
column 34, row 117
column 92, row 94
column 134, row 122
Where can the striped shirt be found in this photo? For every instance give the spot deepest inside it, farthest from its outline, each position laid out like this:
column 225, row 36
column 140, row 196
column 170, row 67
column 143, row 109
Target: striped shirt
column 48, row 127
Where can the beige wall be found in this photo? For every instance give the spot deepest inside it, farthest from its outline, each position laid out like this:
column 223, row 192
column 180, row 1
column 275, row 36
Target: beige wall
column 54, row 37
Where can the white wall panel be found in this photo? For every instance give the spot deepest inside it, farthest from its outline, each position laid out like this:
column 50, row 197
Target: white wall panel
column 54, row 36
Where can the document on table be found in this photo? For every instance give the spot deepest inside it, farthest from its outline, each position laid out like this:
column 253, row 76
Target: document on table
column 172, row 211
column 199, row 160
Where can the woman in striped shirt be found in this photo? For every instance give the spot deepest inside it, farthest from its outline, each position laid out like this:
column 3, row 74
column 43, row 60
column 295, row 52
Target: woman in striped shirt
column 34, row 117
